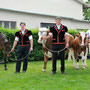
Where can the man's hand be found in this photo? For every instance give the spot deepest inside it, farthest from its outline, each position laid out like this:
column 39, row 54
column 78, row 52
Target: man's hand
column 67, row 45
column 14, row 45
column 12, row 50
column 31, row 49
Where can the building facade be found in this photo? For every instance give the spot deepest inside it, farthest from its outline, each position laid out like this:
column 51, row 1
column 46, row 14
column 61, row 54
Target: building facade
column 39, row 13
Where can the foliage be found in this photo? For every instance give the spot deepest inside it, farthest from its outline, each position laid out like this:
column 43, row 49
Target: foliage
column 87, row 12
column 37, row 54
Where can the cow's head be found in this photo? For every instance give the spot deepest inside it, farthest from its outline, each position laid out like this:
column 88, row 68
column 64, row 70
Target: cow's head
column 42, row 32
column 82, row 36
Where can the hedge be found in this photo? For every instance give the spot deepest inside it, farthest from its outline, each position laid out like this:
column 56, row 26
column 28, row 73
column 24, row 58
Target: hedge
column 37, row 54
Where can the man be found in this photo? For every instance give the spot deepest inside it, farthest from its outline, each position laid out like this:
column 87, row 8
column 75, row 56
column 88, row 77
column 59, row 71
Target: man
column 59, row 34
column 24, row 40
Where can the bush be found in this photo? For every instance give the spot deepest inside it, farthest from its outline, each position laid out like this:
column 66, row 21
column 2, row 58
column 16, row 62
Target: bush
column 37, row 54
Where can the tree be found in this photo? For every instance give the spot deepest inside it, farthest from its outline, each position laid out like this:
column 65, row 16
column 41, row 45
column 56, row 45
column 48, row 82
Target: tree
column 87, row 12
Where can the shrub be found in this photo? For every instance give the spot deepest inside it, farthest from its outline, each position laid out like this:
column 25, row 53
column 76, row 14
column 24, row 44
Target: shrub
column 37, row 54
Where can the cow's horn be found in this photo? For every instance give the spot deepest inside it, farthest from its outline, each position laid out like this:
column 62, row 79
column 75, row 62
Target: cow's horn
column 48, row 28
column 37, row 28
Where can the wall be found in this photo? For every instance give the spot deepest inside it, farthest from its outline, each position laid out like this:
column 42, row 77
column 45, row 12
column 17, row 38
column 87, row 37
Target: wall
column 66, row 8
column 34, row 21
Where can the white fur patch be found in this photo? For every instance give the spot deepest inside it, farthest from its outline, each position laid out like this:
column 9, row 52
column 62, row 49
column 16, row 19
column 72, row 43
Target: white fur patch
column 42, row 32
column 83, row 36
column 43, row 29
column 48, row 54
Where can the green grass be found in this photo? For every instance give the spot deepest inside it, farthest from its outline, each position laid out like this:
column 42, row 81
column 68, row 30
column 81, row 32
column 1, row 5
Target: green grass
column 35, row 79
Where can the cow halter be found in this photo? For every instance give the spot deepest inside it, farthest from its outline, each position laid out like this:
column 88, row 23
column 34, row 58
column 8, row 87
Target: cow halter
column 52, row 50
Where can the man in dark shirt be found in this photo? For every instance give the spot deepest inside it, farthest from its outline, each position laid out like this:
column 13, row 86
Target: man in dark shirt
column 24, row 40
column 59, row 34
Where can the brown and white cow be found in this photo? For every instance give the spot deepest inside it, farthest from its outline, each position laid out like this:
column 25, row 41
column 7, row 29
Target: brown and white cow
column 45, row 43
column 48, row 43
column 80, row 49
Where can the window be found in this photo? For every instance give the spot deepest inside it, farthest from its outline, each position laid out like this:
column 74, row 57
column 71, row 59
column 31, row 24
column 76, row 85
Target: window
column 0, row 23
column 13, row 25
column 8, row 24
column 47, row 24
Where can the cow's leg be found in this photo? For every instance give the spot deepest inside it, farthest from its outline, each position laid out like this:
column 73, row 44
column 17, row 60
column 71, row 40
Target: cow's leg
column 73, row 61
column 69, row 56
column 45, row 62
column 83, row 63
column 77, row 67
column 86, row 57
column 72, row 52
column 5, row 62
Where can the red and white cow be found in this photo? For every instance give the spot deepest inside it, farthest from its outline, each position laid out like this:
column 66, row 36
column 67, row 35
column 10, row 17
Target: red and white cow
column 80, row 48
column 45, row 43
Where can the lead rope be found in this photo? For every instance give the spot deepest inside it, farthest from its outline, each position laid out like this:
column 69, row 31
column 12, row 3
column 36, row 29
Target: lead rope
column 52, row 50
column 21, row 58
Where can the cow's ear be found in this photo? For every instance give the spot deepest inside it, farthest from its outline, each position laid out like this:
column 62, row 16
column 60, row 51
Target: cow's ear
column 48, row 29
column 86, row 35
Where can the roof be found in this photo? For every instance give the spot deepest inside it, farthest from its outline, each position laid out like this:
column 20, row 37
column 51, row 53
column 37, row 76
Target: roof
column 83, row 3
column 44, row 14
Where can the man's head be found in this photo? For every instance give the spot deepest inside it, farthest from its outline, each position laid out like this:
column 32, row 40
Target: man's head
column 58, row 21
column 22, row 24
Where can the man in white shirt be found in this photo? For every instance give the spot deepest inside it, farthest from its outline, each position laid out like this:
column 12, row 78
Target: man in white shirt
column 24, row 41
column 59, row 34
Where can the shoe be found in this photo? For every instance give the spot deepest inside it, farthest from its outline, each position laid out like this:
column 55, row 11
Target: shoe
column 63, row 72
column 24, row 71
column 53, row 73
column 17, row 72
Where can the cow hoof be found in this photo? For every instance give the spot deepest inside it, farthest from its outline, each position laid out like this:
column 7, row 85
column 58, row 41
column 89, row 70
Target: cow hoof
column 73, row 67
column 85, row 65
column 83, row 68
column 6, row 69
column 69, row 60
column 43, row 70
column 77, row 68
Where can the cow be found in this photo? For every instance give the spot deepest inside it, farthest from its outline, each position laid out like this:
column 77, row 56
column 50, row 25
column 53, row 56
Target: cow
column 47, row 44
column 80, row 48
column 5, row 45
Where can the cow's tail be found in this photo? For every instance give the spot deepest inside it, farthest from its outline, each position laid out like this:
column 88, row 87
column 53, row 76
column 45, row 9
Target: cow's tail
column 70, row 55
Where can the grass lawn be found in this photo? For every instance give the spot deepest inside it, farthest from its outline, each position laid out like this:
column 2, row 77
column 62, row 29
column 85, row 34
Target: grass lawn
column 35, row 79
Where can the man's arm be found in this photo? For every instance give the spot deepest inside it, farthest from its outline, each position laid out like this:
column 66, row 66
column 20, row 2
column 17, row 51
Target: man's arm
column 14, row 45
column 31, row 42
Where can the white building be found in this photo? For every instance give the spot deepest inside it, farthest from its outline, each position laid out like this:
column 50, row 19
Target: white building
column 36, row 13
